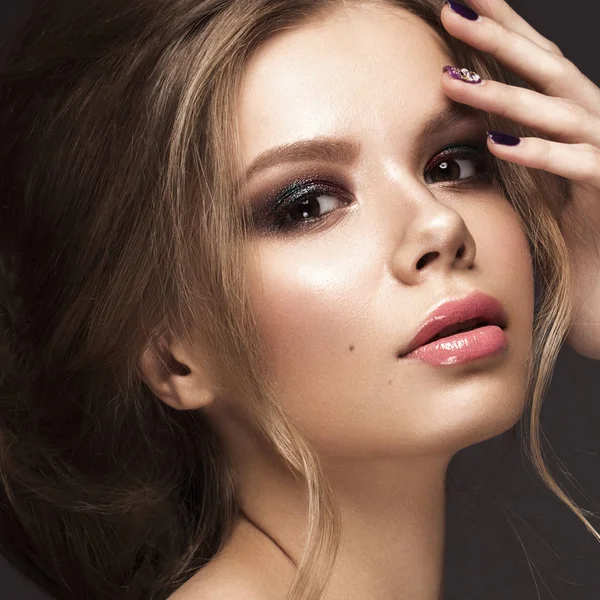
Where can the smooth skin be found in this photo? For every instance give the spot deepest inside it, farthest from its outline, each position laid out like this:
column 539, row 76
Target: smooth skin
column 337, row 301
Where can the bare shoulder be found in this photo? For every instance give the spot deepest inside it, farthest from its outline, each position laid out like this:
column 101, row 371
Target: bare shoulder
column 249, row 568
column 223, row 580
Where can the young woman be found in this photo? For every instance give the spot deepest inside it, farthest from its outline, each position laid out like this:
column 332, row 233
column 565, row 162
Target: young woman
column 266, row 266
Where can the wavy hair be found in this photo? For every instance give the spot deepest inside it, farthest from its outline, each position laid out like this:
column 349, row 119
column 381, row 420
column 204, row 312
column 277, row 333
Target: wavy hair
column 120, row 222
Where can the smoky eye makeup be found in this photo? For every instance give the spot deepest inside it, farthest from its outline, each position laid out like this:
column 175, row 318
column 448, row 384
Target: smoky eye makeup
column 302, row 201
column 315, row 197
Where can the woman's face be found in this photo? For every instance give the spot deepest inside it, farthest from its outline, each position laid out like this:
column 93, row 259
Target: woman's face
column 337, row 291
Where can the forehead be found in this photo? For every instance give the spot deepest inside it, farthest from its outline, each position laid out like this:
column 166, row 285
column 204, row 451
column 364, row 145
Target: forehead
column 366, row 69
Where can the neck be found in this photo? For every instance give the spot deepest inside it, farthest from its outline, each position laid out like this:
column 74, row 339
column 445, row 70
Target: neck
column 392, row 515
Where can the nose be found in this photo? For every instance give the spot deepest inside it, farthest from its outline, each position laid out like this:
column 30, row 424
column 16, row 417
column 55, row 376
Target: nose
column 438, row 242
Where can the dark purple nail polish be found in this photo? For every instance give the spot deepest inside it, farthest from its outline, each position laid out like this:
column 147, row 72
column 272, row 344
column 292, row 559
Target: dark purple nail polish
column 462, row 74
column 498, row 137
column 462, row 10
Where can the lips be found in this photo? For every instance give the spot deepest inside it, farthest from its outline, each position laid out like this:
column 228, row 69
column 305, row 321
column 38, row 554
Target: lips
column 459, row 328
column 475, row 310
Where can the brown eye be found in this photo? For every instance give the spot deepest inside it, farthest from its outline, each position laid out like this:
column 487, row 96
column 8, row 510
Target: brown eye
column 457, row 164
column 310, row 207
column 302, row 204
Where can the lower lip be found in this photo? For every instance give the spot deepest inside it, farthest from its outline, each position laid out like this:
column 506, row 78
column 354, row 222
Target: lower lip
column 463, row 347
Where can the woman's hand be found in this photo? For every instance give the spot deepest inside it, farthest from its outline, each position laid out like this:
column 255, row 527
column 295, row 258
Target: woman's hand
column 565, row 106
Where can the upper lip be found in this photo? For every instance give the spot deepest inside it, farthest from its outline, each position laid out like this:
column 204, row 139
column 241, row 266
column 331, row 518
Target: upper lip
column 476, row 305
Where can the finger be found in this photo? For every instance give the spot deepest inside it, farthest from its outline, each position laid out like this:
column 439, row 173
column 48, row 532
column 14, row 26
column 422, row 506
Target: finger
column 501, row 12
column 559, row 118
column 578, row 162
column 547, row 72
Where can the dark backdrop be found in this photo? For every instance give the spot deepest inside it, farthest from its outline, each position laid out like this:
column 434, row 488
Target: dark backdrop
column 508, row 537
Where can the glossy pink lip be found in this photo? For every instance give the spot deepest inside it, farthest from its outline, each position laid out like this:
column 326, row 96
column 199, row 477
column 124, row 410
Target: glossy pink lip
column 477, row 305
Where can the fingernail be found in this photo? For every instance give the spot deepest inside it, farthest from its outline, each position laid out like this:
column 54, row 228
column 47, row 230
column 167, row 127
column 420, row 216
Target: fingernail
column 462, row 74
column 462, row 10
column 498, row 137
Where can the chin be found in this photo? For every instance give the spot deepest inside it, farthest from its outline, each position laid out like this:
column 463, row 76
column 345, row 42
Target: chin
column 479, row 422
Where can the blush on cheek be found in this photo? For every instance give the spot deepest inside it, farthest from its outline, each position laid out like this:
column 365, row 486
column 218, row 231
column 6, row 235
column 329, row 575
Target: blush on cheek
column 308, row 308
column 297, row 315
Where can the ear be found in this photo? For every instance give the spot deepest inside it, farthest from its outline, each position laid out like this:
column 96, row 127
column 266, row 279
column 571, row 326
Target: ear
column 173, row 375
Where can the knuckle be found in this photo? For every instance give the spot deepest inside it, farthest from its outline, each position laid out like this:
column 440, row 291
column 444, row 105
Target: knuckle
column 554, row 48
column 590, row 158
column 563, row 67
column 495, row 45
column 516, row 103
column 507, row 105
column 575, row 113
column 547, row 154
column 496, row 36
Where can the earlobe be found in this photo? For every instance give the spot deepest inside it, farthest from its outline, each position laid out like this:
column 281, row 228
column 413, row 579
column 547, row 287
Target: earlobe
column 176, row 381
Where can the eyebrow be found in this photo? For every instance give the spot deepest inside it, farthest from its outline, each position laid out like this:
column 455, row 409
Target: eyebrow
column 338, row 151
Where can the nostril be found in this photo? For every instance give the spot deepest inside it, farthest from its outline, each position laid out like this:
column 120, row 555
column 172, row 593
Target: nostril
column 426, row 258
column 461, row 251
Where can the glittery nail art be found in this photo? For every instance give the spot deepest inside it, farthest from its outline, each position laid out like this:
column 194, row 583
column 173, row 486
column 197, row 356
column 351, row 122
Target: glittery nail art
column 462, row 74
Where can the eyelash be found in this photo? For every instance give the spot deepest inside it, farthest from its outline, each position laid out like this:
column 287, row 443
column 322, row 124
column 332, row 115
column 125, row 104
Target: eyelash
column 302, row 190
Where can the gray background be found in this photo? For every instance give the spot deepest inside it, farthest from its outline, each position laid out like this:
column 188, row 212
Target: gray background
column 508, row 537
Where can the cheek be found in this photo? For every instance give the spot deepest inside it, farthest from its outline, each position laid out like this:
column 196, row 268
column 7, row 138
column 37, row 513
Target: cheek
column 310, row 306
column 504, row 253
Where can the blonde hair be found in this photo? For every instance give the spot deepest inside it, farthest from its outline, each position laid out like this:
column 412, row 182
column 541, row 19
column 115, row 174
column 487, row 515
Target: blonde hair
column 119, row 222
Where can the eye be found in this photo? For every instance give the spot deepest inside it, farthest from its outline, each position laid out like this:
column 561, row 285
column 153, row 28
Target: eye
column 311, row 206
column 302, row 204
column 461, row 163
